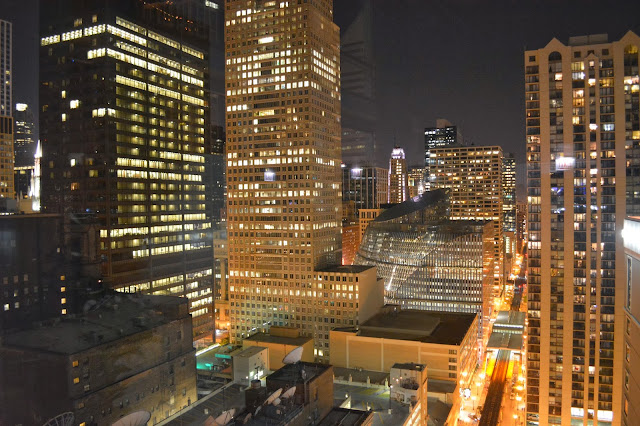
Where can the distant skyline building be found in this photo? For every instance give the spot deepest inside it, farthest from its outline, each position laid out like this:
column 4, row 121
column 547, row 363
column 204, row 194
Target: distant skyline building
column 366, row 186
column 6, row 71
column 123, row 126
column 415, row 183
column 24, row 148
column 473, row 174
column 398, row 179
column 576, row 194
column 509, row 193
column 357, row 79
column 444, row 134
column 283, row 164
column 6, row 122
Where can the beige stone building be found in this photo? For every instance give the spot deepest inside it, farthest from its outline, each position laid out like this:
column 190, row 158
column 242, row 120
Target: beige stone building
column 283, row 160
column 280, row 341
column 581, row 112
column 445, row 342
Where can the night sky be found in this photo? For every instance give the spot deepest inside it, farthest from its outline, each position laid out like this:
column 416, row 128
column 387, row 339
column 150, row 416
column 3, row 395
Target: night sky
column 456, row 59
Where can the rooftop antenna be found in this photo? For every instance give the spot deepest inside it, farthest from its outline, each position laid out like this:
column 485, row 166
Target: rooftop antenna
column 222, row 420
column 139, row 418
column 294, row 356
column 273, row 397
column 64, row 419
column 289, row 393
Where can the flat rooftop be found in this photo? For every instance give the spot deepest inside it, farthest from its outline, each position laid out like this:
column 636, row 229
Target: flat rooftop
column 346, row 417
column 409, row 366
column 111, row 318
column 444, row 328
column 510, row 319
column 348, row 269
column 282, row 340
column 298, row 373
column 248, row 352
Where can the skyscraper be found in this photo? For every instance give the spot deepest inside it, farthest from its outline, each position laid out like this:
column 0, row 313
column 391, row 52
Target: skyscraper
column 444, row 134
column 24, row 147
column 474, row 176
column 509, row 193
column 415, row 183
column 283, row 160
column 6, row 73
column 6, row 122
column 398, row 180
column 123, row 126
column 357, row 81
column 366, row 186
column 581, row 111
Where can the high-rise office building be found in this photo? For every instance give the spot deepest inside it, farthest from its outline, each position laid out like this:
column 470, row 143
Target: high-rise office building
column 444, row 134
column 357, row 81
column 123, row 125
column 474, row 176
column 415, row 181
column 283, row 161
column 398, row 179
column 509, row 193
column 24, row 148
column 581, row 109
column 6, row 72
column 366, row 186
column 6, row 122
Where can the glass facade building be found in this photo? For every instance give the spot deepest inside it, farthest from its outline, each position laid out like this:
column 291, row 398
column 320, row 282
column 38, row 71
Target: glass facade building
column 430, row 262
column 123, row 127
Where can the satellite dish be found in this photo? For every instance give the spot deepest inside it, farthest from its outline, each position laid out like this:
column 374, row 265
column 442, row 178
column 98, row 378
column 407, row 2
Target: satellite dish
column 276, row 401
column 246, row 419
column 289, row 393
column 273, row 396
column 64, row 419
column 223, row 418
column 139, row 418
column 293, row 356
column 257, row 410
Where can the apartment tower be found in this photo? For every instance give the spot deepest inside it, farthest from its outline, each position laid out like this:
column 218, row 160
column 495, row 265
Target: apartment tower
column 581, row 111
column 283, row 159
column 123, row 98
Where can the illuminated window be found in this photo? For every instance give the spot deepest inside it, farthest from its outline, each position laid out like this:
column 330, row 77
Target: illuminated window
column 77, row 22
column 62, row 277
column 63, row 289
column 75, row 363
column 64, row 117
column 76, row 380
column 63, row 300
column 64, row 312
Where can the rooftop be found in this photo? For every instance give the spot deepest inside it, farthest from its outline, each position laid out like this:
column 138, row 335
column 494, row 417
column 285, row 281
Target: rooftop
column 444, row 328
column 412, row 205
column 249, row 352
column 409, row 366
column 298, row 373
column 108, row 319
column 346, row 417
column 348, row 269
column 282, row 340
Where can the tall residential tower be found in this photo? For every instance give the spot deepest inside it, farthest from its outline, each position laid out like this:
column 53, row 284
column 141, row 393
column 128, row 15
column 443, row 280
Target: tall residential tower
column 581, row 111
column 283, row 160
column 398, row 179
